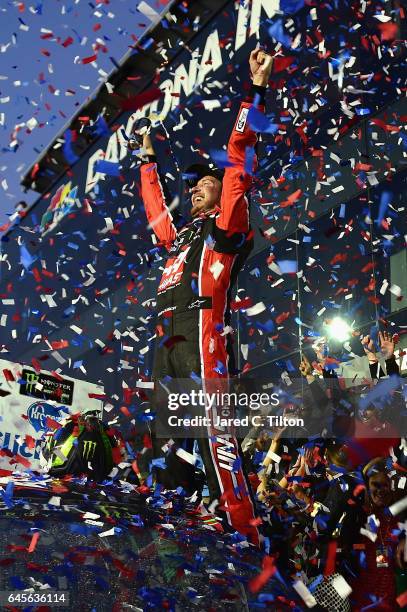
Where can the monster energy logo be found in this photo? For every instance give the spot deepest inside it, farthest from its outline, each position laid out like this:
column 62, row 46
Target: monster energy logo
column 31, row 380
column 89, row 448
column 47, row 387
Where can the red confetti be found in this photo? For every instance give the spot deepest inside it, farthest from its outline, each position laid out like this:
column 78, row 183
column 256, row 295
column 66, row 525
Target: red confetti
column 139, row 101
column 385, row 126
column 292, row 198
column 281, row 63
column 59, row 488
column 29, row 441
column 52, row 424
column 37, row 567
column 8, row 375
column 331, row 558
column 268, row 571
column 99, row 396
column 358, row 489
column 388, row 31
column 37, row 275
column 22, row 460
column 368, row 267
column 241, row 304
column 147, row 443
column 173, row 340
column 402, row 599
column 33, row 543
column 116, row 455
column 7, row 562
column 59, row 344
column 5, row 473
column 89, row 60
column 282, row 317
column 68, row 41
column 57, row 376
column 125, row 411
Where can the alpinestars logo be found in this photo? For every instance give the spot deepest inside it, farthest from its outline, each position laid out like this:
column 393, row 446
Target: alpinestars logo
column 196, row 304
column 89, row 448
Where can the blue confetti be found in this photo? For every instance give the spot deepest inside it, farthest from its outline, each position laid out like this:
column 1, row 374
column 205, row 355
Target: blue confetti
column 220, row 157
column 67, row 150
column 109, row 168
column 26, row 259
column 287, row 266
column 385, row 200
column 259, row 122
column 276, row 31
column 289, row 7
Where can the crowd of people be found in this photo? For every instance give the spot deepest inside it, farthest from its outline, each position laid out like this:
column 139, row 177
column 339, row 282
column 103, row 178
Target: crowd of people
column 331, row 496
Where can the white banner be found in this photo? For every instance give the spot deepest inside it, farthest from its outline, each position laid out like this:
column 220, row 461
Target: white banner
column 32, row 402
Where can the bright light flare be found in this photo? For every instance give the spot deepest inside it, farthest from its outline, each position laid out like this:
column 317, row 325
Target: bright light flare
column 338, row 329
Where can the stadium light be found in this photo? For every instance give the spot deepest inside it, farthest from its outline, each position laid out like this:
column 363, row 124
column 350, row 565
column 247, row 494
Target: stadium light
column 338, row 329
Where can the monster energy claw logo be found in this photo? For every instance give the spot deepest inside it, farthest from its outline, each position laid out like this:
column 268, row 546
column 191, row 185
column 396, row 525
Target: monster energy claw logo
column 31, row 381
column 89, row 448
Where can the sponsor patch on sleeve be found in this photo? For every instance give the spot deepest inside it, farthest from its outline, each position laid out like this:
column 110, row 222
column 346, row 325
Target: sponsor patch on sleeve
column 242, row 119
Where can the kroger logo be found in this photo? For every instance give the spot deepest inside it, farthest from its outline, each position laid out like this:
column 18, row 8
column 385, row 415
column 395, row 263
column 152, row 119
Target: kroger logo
column 39, row 411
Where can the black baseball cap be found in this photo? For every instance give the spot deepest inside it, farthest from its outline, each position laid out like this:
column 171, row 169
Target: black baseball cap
column 194, row 173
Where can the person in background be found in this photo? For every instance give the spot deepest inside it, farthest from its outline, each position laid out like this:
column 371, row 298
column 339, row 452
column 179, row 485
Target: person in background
column 373, row 561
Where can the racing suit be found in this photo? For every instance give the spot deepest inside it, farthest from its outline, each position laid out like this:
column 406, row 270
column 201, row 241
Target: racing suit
column 205, row 257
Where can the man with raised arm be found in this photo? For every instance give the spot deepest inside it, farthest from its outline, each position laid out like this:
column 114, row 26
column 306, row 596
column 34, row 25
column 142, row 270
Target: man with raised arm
column 204, row 258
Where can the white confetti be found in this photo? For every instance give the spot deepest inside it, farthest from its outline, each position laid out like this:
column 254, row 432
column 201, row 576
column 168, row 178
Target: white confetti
column 341, row 586
column 216, row 269
column 399, row 506
column 103, row 534
column 91, row 515
column 148, row 11
column 382, row 18
column 305, row 594
column 395, row 290
column 256, row 309
column 185, row 456
column 245, row 350
column 369, row 534
column 144, row 384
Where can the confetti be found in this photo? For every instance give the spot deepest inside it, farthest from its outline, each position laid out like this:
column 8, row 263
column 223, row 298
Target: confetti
column 79, row 276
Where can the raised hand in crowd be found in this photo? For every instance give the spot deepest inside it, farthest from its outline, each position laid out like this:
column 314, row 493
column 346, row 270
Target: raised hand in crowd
column 387, row 344
column 306, row 369
column 321, row 353
column 369, row 348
